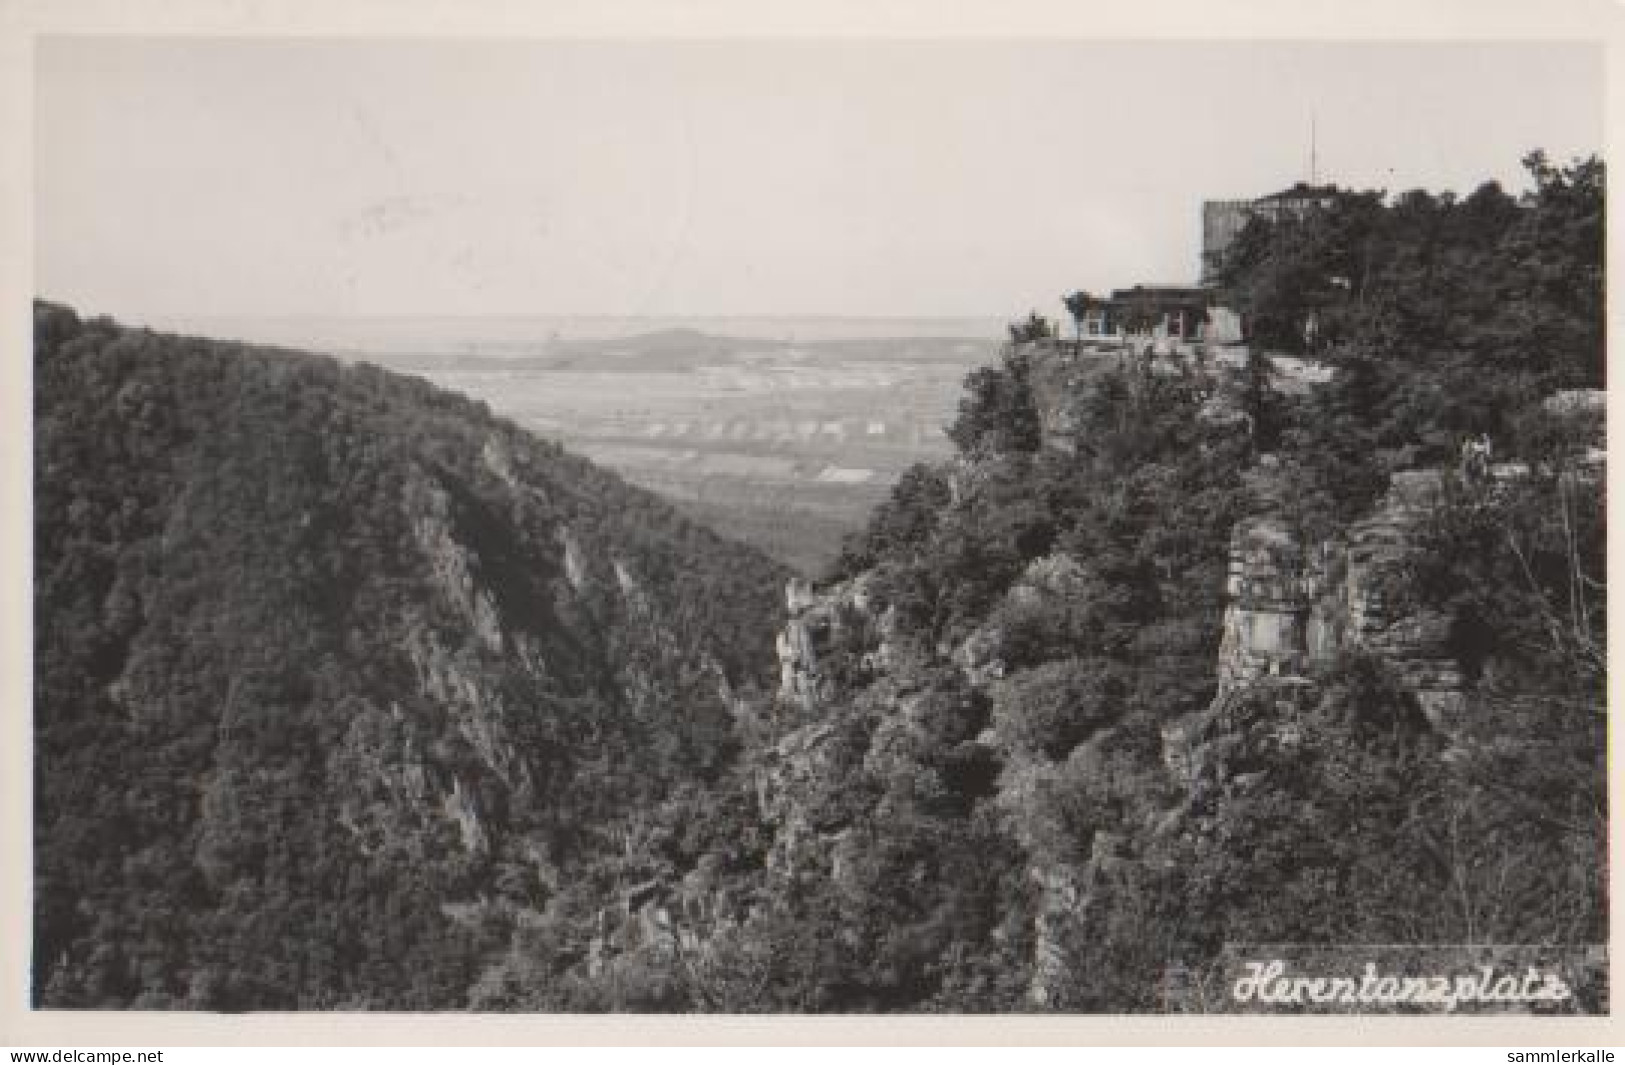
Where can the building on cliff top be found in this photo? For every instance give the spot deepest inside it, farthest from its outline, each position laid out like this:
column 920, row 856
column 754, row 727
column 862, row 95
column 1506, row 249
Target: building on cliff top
column 1175, row 312
column 1223, row 220
column 1187, row 313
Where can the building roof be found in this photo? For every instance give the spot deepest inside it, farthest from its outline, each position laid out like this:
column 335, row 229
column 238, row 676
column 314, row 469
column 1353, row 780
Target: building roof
column 1177, row 292
column 1300, row 191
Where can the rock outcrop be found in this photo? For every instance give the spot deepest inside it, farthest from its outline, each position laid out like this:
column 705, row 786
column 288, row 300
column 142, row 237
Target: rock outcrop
column 840, row 623
column 1295, row 605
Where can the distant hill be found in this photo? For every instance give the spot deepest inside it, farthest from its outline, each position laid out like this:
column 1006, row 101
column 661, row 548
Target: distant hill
column 663, row 349
column 686, row 349
column 338, row 676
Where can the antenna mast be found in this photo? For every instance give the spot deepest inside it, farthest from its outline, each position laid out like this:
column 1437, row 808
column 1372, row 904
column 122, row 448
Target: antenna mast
column 1314, row 175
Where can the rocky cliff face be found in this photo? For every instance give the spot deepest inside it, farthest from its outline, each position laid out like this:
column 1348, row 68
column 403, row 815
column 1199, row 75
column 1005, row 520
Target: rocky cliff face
column 1294, row 608
column 1295, row 605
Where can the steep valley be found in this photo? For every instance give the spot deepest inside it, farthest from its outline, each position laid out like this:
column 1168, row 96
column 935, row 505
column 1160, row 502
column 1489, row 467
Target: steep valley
column 349, row 694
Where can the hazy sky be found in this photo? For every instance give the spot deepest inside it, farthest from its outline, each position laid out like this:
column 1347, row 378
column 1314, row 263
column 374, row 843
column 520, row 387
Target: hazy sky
column 190, row 177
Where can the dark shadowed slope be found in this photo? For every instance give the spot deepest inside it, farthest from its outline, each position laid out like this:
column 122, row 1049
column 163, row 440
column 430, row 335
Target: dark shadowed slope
column 339, row 677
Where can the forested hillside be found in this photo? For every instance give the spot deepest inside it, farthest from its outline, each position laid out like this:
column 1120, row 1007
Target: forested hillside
column 338, row 677
column 350, row 695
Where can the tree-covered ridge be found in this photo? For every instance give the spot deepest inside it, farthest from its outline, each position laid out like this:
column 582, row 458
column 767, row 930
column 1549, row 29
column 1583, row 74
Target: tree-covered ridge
column 337, row 674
